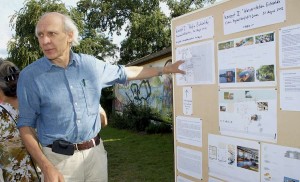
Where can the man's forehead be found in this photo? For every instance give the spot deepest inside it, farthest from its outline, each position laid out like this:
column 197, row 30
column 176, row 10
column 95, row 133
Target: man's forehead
column 50, row 23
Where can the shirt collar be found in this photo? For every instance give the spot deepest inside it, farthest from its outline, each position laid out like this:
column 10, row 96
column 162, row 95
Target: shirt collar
column 73, row 61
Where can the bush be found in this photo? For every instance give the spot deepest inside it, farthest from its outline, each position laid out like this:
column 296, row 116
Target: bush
column 157, row 127
column 138, row 117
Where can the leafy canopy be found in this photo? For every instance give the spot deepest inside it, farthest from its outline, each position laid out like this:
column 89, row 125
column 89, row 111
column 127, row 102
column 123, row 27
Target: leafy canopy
column 147, row 27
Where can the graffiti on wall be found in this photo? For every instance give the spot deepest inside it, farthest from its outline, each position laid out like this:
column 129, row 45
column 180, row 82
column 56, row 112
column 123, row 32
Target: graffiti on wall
column 156, row 92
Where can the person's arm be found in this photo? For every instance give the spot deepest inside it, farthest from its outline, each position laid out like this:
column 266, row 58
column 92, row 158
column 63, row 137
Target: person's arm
column 1, row 176
column 50, row 173
column 139, row 72
column 103, row 117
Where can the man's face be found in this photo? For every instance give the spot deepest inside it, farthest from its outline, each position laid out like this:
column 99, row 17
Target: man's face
column 53, row 39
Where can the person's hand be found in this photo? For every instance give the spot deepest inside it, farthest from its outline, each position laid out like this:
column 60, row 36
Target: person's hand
column 174, row 68
column 53, row 175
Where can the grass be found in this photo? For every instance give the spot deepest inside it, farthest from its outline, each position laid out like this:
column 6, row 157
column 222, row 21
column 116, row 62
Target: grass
column 136, row 157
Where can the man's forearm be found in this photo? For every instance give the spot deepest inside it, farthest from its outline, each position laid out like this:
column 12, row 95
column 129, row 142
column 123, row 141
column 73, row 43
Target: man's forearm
column 31, row 143
column 139, row 73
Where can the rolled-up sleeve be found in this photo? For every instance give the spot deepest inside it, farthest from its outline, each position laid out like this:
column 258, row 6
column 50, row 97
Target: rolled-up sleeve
column 28, row 101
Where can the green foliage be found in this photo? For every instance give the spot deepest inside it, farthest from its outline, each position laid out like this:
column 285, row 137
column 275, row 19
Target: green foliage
column 107, row 15
column 157, row 127
column 106, row 100
column 147, row 34
column 134, row 117
column 138, row 117
column 181, row 7
column 148, row 29
column 23, row 48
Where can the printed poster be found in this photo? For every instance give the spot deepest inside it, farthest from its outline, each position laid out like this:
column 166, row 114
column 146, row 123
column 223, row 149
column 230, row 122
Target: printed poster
column 254, row 15
column 248, row 113
column 199, row 64
column 280, row 163
column 248, row 61
column 233, row 159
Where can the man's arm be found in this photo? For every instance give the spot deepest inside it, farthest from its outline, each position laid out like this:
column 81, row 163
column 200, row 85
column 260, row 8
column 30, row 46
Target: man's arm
column 139, row 72
column 31, row 143
column 103, row 117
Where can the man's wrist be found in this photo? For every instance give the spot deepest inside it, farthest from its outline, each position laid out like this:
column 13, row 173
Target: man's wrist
column 160, row 71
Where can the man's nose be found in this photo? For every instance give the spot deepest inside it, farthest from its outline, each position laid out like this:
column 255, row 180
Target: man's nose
column 45, row 40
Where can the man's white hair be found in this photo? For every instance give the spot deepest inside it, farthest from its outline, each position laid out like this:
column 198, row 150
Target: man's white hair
column 69, row 26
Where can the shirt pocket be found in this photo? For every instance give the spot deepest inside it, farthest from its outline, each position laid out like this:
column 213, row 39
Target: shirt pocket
column 91, row 95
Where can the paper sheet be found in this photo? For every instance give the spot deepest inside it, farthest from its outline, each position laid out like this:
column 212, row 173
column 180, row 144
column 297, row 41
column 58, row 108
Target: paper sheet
column 194, row 31
column 290, row 90
column 189, row 162
column 253, row 15
column 233, row 159
column 248, row 61
column 289, row 46
column 248, row 113
column 189, row 130
column 280, row 163
column 187, row 101
column 199, row 64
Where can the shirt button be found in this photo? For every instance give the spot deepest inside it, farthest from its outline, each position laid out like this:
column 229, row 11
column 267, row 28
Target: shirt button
column 75, row 103
column 71, row 87
column 78, row 121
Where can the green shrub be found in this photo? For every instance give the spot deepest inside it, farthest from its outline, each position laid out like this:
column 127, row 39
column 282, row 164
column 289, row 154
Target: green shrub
column 137, row 117
column 158, row 127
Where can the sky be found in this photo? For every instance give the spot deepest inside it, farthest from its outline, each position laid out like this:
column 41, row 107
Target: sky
column 9, row 7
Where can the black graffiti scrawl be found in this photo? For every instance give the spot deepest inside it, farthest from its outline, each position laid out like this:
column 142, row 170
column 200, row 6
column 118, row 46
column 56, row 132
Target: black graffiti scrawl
column 136, row 91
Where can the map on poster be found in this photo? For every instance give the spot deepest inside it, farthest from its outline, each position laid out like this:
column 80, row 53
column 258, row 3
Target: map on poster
column 199, row 64
column 248, row 113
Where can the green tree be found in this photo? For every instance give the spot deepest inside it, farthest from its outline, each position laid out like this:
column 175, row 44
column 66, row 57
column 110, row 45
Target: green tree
column 147, row 27
column 146, row 34
column 181, row 7
column 23, row 48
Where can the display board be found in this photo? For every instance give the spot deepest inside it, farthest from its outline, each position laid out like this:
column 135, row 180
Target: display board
column 237, row 108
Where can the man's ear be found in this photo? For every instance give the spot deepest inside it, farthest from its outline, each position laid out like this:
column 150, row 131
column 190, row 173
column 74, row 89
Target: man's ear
column 70, row 37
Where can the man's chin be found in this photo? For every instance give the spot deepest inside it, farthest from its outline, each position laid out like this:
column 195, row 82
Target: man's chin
column 49, row 56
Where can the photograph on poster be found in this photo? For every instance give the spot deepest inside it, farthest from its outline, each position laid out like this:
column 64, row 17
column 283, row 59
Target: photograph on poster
column 226, row 45
column 247, row 158
column 199, row 65
column 279, row 163
column 248, row 61
column 227, row 76
column 248, row 113
column 233, row 159
column 244, row 42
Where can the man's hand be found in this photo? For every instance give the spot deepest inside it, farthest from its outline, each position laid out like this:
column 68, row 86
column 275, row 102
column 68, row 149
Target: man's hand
column 53, row 175
column 173, row 68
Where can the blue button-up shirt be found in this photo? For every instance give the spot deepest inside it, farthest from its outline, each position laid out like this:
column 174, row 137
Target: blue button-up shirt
column 63, row 103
